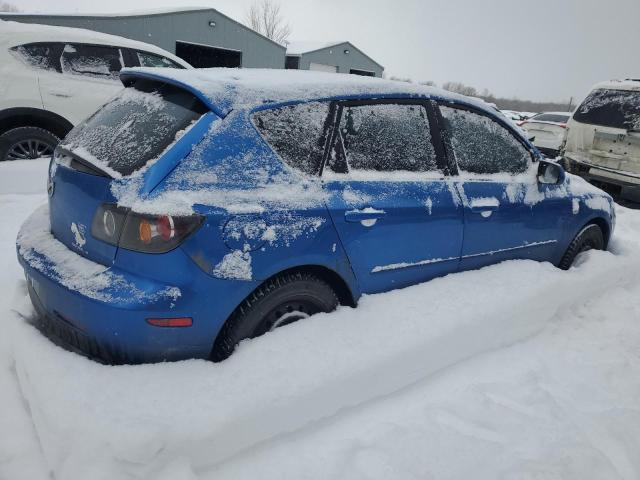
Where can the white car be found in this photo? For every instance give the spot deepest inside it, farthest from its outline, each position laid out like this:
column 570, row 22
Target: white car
column 547, row 130
column 603, row 138
column 54, row 77
column 517, row 117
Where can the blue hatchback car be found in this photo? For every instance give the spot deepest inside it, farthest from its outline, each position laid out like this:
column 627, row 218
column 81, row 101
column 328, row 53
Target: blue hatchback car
column 201, row 208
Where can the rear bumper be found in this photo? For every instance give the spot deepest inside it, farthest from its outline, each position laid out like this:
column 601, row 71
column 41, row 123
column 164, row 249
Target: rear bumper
column 103, row 314
column 617, row 184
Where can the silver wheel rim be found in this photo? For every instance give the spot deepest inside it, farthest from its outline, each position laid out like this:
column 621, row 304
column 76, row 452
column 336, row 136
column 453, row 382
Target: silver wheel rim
column 286, row 318
column 29, row 149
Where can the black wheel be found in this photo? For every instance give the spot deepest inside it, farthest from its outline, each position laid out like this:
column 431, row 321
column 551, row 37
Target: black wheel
column 589, row 238
column 25, row 143
column 280, row 301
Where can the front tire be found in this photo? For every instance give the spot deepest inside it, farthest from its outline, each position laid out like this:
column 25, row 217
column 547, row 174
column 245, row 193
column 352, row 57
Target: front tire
column 589, row 238
column 279, row 301
column 27, row 143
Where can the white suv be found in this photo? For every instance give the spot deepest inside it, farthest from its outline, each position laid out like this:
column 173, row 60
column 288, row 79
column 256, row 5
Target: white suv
column 603, row 138
column 54, row 77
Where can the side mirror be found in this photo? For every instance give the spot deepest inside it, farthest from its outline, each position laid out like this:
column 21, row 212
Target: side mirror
column 550, row 173
column 532, row 138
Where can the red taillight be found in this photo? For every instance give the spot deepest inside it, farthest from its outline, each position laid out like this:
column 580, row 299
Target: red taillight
column 563, row 125
column 166, row 227
column 141, row 232
column 522, row 123
column 170, row 322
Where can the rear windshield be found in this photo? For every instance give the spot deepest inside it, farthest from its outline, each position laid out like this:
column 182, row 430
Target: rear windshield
column 611, row 108
column 551, row 117
column 135, row 127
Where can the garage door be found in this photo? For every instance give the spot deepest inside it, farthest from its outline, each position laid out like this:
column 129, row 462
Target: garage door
column 321, row 67
column 205, row 56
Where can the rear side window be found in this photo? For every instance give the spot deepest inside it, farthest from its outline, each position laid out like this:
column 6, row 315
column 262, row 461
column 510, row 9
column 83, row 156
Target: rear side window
column 39, row 55
column 135, row 127
column 611, row 108
column 383, row 138
column 91, row 60
column 481, row 145
column 295, row 133
column 151, row 60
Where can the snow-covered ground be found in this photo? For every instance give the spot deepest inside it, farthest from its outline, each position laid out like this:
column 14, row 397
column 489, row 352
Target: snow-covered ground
column 517, row 371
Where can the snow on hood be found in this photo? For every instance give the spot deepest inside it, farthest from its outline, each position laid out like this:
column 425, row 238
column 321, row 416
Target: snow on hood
column 226, row 89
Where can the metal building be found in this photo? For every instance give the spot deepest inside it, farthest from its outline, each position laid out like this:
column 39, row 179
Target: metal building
column 204, row 37
column 339, row 57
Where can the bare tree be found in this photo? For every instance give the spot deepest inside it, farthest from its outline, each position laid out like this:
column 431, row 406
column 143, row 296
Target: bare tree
column 8, row 7
column 400, row 79
column 264, row 17
column 461, row 88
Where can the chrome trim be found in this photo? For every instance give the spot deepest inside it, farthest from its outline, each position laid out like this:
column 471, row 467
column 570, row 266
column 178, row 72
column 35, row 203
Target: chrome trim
column 398, row 266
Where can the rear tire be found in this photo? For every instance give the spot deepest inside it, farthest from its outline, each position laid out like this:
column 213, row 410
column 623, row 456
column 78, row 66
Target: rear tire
column 280, row 301
column 589, row 238
column 27, row 143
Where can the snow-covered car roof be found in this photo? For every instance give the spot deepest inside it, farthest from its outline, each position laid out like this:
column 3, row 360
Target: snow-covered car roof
column 226, row 89
column 13, row 34
column 628, row 84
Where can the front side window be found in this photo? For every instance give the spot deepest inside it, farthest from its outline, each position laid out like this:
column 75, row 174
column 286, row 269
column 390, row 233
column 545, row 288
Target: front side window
column 295, row 133
column 481, row 145
column 135, row 127
column 147, row 59
column 91, row 60
column 611, row 108
column 383, row 138
column 38, row 55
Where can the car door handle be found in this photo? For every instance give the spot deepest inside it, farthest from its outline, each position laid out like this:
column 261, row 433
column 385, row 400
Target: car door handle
column 484, row 204
column 366, row 216
column 60, row 93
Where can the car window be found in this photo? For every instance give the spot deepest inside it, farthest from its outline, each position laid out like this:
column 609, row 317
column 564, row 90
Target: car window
column 383, row 138
column 135, row 127
column 611, row 108
column 481, row 145
column 551, row 117
column 295, row 133
column 38, row 55
column 91, row 60
column 147, row 59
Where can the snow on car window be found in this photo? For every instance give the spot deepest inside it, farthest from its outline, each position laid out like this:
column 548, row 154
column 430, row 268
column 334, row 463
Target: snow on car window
column 480, row 145
column 151, row 60
column 384, row 137
column 135, row 127
column 37, row 55
column 611, row 108
column 91, row 60
column 295, row 133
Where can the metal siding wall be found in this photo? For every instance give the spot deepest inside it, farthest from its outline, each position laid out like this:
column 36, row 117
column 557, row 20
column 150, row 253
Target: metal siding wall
column 343, row 61
column 163, row 30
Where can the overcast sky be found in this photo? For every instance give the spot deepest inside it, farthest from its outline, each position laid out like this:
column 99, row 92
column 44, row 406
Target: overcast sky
column 535, row 50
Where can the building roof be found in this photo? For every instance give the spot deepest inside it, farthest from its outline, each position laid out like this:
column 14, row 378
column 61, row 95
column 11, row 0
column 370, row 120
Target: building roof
column 137, row 13
column 226, row 89
column 300, row 47
column 16, row 33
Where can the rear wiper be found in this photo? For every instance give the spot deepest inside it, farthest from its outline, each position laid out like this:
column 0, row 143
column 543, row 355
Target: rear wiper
column 82, row 165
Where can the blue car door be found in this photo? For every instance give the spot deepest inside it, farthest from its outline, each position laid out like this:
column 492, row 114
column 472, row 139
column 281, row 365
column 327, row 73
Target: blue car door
column 397, row 216
column 508, row 214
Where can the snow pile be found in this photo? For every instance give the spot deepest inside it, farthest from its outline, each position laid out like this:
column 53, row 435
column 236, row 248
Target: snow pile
column 518, row 370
